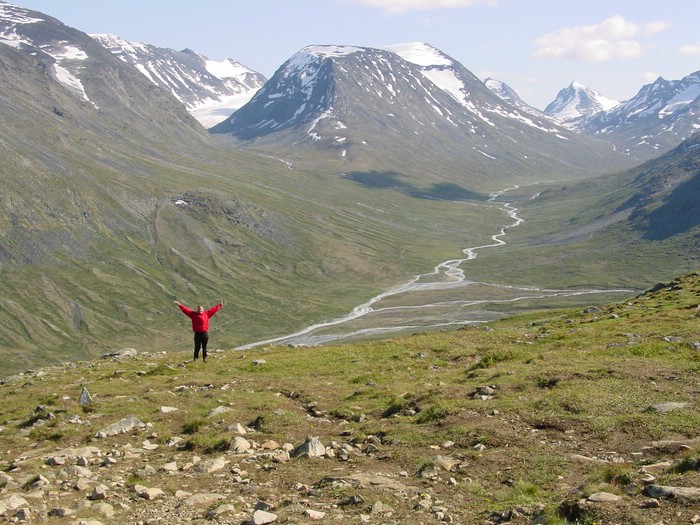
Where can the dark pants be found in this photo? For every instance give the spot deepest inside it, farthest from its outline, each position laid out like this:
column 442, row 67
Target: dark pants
column 200, row 341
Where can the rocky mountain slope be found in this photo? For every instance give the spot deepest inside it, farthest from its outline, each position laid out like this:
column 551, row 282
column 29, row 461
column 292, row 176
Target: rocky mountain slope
column 417, row 116
column 210, row 90
column 507, row 93
column 458, row 427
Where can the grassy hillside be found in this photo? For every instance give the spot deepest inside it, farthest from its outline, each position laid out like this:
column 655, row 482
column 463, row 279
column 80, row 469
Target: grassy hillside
column 619, row 230
column 110, row 209
column 538, row 418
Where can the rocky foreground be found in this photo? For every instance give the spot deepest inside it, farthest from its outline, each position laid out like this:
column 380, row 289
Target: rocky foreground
column 432, row 429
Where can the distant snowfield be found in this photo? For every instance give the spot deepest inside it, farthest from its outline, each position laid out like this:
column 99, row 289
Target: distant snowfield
column 214, row 112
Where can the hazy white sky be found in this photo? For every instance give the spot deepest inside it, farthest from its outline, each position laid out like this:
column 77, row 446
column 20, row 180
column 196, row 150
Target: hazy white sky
column 536, row 46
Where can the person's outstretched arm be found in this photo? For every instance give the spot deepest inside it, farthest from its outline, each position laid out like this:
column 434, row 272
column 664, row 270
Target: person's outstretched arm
column 215, row 309
column 184, row 309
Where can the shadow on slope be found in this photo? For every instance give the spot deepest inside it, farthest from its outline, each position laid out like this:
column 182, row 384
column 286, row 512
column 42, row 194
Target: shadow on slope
column 390, row 180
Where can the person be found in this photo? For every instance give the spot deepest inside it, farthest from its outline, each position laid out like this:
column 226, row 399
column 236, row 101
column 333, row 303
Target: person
column 200, row 326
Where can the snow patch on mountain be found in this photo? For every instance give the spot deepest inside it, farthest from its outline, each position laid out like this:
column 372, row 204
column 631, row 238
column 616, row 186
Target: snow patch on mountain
column 210, row 90
column 449, row 75
column 63, row 68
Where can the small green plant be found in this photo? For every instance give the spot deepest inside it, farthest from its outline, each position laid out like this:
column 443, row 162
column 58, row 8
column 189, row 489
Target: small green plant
column 434, row 413
column 192, row 427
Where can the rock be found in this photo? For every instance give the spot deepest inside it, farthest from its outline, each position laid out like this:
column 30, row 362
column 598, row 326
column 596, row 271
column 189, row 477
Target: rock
column 691, row 494
column 148, row 493
column 381, row 508
column 74, row 471
column 12, row 502
column 240, row 445
column 218, row 411
column 222, row 510
column 121, row 427
column 314, row 514
column 78, row 452
column 168, row 410
column 61, row 512
column 105, row 509
column 85, row 398
column 200, row 500
column 446, row 463
column 211, row 465
column 261, row 517
column 665, row 408
column 603, row 497
column 169, row 467
column 238, row 429
column 310, row 448
column 23, row 514
column 124, row 352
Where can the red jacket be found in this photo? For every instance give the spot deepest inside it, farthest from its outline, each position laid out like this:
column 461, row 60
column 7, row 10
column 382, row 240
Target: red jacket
column 200, row 322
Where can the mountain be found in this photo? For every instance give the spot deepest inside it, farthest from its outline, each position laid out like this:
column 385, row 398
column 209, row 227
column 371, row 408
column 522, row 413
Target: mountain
column 115, row 201
column 658, row 118
column 416, row 113
column 577, row 101
column 665, row 201
column 210, row 90
column 507, row 93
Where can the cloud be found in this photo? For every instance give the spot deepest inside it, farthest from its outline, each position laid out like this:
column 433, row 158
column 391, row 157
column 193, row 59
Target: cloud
column 614, row 38
column 400, row 6
column 690, row 49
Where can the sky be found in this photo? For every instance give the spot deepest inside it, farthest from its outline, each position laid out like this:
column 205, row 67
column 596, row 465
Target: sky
column 537, row 47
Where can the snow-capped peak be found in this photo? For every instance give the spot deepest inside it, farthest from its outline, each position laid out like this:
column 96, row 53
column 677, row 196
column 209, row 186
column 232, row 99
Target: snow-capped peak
column 577, row 101
column 420, row 53
column 210, row 90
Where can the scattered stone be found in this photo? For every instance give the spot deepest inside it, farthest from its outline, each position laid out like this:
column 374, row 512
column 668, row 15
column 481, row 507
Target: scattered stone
column 665, row 408
column 381, row 508
column 221, row 511
column 314, row 514
column 691, row 494
column 23, row 514
column 240, row 444
column 13, row 502
column 200, row 500
column 124, row 352
column 261, row 517
column 122, row 427
column 169, row 467
column 148, row 493
column 168, row 410
column 218, row 411
column 105, row 509
column 603, row 497
column 210, row 465
column 85, row 398
column 100, row 492
column 310, row 448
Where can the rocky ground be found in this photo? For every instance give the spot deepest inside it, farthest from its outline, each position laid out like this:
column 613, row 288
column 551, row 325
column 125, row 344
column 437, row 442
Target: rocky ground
column 128, row 475
column 520, row 424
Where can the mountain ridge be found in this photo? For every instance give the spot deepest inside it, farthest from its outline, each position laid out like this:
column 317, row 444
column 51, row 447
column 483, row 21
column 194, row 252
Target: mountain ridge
column 210, row 90
column 350, row 103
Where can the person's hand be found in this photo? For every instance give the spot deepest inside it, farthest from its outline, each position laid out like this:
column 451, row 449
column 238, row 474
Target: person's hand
column 176, row 302
column 222, row 303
